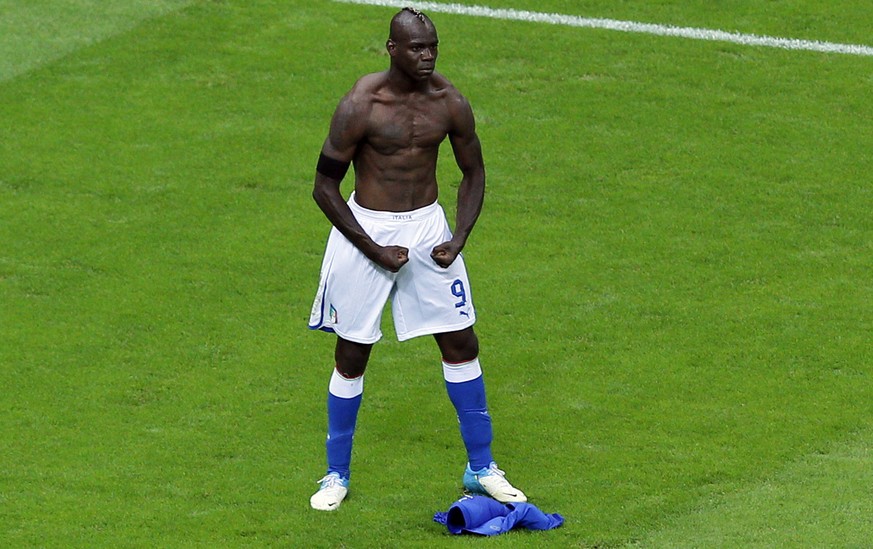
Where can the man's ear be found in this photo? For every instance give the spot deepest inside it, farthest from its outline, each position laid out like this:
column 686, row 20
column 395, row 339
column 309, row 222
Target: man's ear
column 391, row 46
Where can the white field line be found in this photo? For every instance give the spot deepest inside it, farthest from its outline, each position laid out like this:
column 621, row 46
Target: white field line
column 625, row 26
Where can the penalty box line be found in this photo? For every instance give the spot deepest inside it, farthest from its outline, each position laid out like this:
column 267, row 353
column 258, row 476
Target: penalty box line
column 625, row 26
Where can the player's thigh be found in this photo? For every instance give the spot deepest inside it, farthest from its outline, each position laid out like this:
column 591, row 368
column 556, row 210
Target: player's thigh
column 459, row 346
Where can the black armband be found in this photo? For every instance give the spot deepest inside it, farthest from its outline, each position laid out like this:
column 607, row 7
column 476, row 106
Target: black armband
column 331, row 167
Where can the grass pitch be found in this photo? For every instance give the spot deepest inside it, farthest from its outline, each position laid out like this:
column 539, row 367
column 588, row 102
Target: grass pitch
column 672, row 273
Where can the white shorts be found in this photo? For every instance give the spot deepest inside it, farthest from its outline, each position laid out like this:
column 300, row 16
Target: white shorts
column 425, row 298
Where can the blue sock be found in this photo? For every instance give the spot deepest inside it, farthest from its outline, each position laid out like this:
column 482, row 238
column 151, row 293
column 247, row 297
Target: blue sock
column 466, row 390
column 343, row 402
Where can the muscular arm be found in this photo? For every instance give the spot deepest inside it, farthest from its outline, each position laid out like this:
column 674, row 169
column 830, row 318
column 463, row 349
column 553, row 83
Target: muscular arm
column 471, row 192
column 346, row 131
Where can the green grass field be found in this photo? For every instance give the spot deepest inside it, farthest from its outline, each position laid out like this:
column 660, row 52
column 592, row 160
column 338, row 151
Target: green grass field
column 672, row 274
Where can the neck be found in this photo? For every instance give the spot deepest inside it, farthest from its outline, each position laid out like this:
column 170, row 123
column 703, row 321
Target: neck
column 404, row 84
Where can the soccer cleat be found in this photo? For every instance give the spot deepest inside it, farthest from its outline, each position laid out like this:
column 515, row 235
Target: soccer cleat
column 490, row 481
column 332, row 492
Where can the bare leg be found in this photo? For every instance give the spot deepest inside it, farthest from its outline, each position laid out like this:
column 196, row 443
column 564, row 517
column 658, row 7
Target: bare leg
column 351, row 358
column 457, row 347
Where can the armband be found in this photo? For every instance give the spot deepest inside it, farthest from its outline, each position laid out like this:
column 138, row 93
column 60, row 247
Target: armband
column 331, row 167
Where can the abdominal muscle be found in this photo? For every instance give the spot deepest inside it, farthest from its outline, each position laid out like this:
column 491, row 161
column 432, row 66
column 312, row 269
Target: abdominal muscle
column 402, row 181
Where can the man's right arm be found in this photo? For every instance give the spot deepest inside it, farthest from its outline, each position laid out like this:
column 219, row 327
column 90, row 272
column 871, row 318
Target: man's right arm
column 346, row 131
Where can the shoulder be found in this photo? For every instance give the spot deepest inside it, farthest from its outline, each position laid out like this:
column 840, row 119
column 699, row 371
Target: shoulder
column 457, row 106
column 366, row 88
column 370, row 82
column 355, row 106
column 442, row 85
column 453, row 98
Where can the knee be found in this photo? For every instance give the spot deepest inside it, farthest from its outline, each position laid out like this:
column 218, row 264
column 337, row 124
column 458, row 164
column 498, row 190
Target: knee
column 460, row 346
column 351, row 358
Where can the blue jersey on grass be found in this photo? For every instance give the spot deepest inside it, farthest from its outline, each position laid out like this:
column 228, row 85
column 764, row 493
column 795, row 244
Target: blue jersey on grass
column 487, row 517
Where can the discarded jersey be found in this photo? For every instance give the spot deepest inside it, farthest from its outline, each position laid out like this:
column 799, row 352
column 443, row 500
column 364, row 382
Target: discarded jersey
column 487, row 517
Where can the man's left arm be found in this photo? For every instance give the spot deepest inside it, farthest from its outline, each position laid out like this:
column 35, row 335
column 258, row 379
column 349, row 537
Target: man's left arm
column 471, row 192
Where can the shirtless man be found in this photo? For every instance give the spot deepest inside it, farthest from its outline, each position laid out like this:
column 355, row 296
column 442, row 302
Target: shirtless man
column 391, row 240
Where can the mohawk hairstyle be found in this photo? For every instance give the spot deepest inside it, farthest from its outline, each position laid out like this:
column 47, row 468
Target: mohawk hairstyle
column 415, row 12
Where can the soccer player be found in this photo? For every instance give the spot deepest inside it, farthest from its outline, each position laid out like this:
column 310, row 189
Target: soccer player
column 391, row 240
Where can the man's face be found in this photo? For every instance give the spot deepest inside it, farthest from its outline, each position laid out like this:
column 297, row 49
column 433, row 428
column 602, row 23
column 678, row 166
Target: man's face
column 414, row 50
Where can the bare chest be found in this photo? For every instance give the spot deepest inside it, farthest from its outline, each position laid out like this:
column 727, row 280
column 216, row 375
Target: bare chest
column 393, row 127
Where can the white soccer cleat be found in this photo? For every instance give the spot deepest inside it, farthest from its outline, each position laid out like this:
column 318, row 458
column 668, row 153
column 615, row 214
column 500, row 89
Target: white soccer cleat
column 332, row 492
column 490, row 481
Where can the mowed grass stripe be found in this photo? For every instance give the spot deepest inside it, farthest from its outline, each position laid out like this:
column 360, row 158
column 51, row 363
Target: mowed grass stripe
column 38, row 32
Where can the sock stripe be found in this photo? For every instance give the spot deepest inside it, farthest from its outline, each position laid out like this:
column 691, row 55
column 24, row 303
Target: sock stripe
column 344, row 387
column 462, row 372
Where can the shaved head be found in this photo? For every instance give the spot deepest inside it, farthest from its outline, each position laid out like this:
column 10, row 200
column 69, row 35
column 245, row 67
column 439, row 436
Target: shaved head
column 406, row 20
